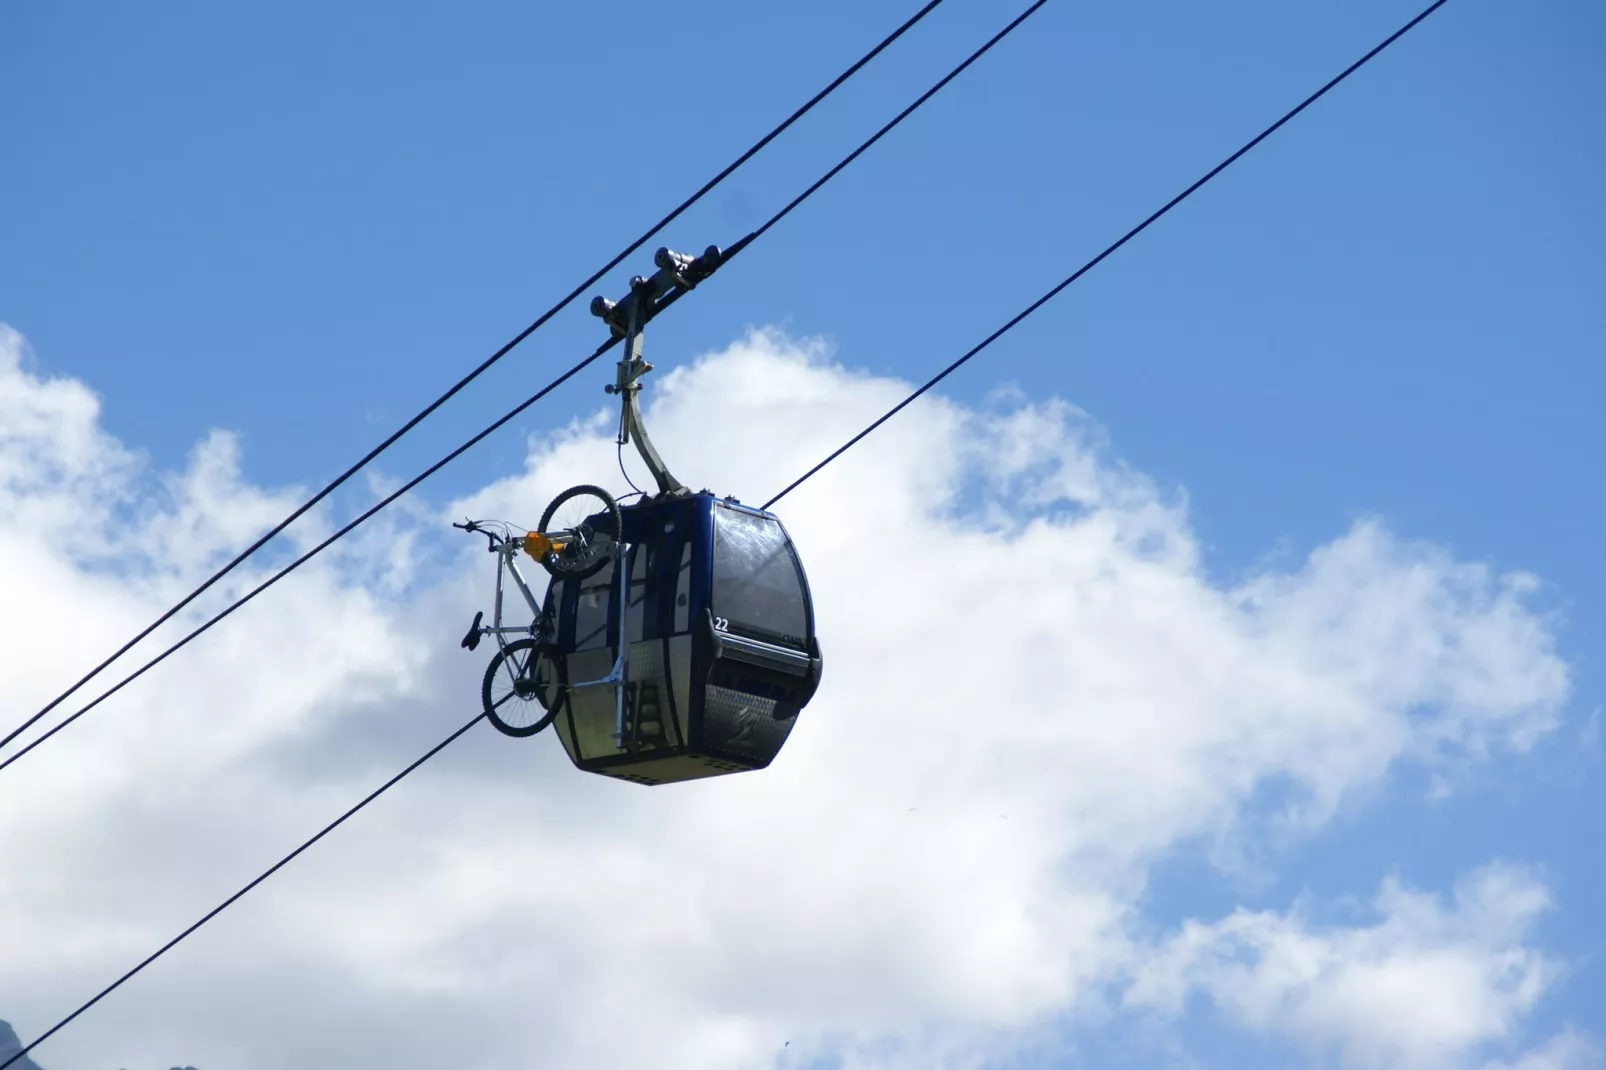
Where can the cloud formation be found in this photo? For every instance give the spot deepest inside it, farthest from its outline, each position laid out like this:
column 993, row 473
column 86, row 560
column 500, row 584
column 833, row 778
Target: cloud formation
column 1567, row 1050
column 1421, row 988
column 1033, row 693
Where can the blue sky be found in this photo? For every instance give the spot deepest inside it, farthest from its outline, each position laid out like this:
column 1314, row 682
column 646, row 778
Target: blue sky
column 301, row 224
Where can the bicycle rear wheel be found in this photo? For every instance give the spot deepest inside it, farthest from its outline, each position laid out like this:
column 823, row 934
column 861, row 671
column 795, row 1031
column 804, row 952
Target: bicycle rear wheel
column 584, row 522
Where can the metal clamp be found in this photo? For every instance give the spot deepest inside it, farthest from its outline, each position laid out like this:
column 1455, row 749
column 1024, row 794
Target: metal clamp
column 627, row 318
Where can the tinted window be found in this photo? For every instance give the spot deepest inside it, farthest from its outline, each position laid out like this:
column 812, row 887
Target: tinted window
column 683, row 591
column 756, row 581
column 638, row 594
column 591, row 610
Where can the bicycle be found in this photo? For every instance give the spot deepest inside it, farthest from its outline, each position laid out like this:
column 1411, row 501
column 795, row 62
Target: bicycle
column 575, row 540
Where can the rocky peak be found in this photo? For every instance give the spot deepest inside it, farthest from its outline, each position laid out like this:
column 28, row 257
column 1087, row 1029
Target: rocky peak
column 10, row 1045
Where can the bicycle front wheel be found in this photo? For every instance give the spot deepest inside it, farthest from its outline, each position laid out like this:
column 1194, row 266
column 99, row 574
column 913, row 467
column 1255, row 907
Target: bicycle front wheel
column 521, row 692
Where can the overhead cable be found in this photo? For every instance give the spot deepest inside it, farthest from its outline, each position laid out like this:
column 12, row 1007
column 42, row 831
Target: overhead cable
column 1091, row 264
column 483, row 366
column 740, row 245
column 1031, row 308
column 221, row 907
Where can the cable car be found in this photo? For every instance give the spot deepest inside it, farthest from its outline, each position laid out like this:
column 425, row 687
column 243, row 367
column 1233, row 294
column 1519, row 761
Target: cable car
column 676, row 639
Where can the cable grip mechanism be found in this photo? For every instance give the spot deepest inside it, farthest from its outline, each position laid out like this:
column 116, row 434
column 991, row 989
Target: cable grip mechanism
column 627, row 318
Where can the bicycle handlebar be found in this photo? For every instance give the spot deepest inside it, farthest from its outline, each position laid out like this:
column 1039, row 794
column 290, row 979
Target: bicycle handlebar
column 474, row 526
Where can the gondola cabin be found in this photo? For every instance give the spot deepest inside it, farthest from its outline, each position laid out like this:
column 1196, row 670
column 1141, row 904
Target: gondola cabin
column 720, row 653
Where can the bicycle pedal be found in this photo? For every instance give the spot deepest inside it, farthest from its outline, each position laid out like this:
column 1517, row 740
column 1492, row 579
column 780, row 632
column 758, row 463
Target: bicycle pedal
column 472, row 639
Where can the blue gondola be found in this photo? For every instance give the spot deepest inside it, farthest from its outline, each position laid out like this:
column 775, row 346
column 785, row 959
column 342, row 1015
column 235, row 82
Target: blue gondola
column 676, row 639
column 718, row 634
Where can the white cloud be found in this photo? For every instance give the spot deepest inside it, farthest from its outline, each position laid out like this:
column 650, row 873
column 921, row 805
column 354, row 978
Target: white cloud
column 1567, row 1050
column 1422, row 988
column 1032, row 692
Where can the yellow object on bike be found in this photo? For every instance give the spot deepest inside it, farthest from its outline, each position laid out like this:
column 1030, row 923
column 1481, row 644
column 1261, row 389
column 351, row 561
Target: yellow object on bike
column 538, row 545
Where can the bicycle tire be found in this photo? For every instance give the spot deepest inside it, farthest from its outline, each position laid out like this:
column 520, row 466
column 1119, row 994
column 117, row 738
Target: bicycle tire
column 520, row 692
column 566, row 565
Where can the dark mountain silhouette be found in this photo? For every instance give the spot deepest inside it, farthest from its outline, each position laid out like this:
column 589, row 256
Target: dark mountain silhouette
column 10, row 1045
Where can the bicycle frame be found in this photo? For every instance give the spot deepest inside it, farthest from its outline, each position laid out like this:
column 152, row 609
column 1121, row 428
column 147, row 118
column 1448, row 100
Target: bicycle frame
column 506, row 550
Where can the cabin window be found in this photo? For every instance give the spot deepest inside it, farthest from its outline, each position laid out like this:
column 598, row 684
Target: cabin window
column 591, row 610
column 756, row 577
column 637, row 594
column 683, row 592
